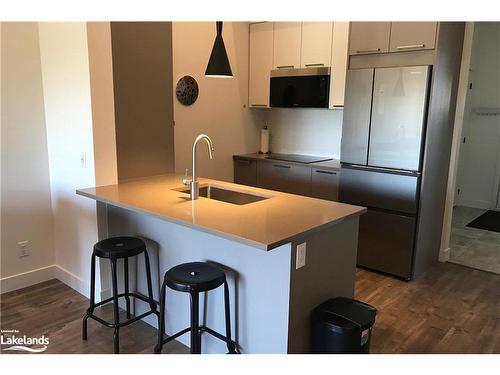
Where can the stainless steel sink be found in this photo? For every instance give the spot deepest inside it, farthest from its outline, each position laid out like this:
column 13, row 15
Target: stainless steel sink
column 226, row 195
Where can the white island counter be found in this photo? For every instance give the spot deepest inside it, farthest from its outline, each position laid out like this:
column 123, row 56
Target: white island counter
column 255, row 243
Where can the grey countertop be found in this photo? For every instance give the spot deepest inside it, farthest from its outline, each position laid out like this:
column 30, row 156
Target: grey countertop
column 265, row 224
column 333, row 164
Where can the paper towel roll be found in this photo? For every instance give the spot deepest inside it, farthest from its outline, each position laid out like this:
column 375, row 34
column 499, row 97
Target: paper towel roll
column 264, row 140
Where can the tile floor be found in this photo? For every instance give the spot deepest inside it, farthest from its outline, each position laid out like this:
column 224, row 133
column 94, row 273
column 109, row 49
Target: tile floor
column 473, row 247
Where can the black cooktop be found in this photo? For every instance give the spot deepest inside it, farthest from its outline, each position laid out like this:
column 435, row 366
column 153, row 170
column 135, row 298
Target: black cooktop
column 306, row 159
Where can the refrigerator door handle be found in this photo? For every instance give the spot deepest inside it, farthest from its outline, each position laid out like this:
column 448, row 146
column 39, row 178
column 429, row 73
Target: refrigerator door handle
column 381, row 169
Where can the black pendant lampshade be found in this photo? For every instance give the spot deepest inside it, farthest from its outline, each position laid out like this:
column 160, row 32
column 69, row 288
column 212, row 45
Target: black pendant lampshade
column 218, row 65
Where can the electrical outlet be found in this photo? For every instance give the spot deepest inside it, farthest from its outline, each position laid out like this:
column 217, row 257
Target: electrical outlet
column 23, row 250
column 300, row 260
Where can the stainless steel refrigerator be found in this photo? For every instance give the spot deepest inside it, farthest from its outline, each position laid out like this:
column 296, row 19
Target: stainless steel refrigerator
column 383, row 138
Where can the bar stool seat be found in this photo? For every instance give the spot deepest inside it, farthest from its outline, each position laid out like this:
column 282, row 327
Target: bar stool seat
column 194, row 278
column 119, row 247
column 113, row 249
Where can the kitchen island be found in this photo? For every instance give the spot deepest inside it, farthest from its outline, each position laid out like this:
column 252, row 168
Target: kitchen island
column 253, row 234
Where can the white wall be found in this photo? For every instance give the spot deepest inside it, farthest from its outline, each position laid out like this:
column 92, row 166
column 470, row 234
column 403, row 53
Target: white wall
column 103, row 106
column 444, row 253
column 68, row 115
column 25, row 190
column 305, row 131
column 478, row 170
column 220, row 110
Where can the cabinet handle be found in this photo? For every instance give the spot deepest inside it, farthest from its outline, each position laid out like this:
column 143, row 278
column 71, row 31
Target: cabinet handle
column 411, row 46
column 311, row 65
column 259, row 105
column 285, row 66
column 368, row 50
column 243, row 161
column 282, row 166
column 325, row 172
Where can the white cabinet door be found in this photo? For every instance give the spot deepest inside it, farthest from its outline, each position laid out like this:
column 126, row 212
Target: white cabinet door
column 260, row 64
column 340, row 45
column 369, row 37
column 287, row 43
column 316, row 44
column 410, row 36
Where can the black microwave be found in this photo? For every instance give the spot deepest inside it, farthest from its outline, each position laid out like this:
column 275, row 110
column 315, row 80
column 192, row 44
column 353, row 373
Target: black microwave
column 300, row 88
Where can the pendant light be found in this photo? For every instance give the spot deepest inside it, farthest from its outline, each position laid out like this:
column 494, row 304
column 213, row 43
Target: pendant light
column 218, row 65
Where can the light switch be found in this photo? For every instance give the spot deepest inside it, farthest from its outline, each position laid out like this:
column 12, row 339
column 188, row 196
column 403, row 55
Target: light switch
column 83, row 160
column 300, row 260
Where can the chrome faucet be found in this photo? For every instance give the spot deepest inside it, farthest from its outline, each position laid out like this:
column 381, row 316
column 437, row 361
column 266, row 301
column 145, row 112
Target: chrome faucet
column 193, row 183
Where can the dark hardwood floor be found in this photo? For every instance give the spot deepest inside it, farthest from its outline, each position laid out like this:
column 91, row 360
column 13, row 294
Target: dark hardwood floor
column 55, row 310
column 453, row 309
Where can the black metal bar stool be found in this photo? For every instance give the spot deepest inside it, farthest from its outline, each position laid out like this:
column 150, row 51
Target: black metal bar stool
column 194, row 278
column 113, row 249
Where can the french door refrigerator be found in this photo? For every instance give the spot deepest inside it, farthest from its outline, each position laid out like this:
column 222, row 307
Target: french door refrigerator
column 383, row 137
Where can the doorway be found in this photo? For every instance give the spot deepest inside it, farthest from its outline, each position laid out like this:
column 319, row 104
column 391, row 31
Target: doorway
column 475, row 237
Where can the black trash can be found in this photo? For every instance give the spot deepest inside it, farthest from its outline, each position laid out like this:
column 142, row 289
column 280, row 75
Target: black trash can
column 342, row 326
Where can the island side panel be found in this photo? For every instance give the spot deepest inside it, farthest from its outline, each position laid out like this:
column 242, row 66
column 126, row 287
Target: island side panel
column 328, row 272
column 259, row 283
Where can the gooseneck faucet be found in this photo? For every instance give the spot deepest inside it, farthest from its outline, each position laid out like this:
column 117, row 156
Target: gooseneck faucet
column 193, row 183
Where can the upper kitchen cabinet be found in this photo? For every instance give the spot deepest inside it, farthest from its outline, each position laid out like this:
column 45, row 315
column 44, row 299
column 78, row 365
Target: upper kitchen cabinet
column 316, row 44
column 287, row 44
column 260, row 64
column 293, row 45
column 340, row 43
column 410, row 36
column 369, row 37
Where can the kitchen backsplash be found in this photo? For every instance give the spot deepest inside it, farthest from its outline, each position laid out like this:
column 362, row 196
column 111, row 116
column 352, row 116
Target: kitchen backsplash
column 305, row 131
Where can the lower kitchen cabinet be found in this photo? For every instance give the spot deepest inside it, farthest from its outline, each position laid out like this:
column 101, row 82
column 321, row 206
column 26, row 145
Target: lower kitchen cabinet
column 325, row 184
column 308, row 180
column 245, row 172
column 289, row 178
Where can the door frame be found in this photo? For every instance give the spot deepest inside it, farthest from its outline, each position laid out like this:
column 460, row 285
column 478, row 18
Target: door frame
column 444, row 252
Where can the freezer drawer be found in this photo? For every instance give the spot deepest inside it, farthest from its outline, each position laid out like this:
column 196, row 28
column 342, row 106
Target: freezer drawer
column 376, row 188
column 386, row 242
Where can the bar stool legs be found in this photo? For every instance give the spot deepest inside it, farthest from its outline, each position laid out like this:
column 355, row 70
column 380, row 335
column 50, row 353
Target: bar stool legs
column 92, row 298
column 230, row 344
column 195, row 325
column 116, row 337
column 161, row 325
column 178, row 281
column 152, row 303
column 116, row 325
column 127, row 298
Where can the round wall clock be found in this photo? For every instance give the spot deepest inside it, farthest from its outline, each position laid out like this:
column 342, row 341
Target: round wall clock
column 186, row 90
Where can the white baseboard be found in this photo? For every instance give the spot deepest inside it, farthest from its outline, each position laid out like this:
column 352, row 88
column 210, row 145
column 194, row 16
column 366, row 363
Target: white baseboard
column 444, row 255
column 29, row 278
column 73, row 281
column 25, row 279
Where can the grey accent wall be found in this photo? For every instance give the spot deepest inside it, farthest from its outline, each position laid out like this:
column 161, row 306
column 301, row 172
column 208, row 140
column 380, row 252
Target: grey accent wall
column 142, row 76
column 329, row 272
